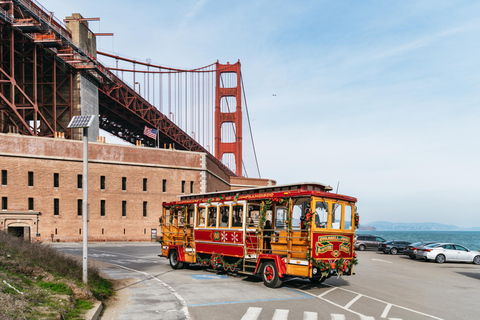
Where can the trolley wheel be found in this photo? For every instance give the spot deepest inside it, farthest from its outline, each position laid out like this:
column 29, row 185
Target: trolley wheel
column 270, row 275
column 173, row 259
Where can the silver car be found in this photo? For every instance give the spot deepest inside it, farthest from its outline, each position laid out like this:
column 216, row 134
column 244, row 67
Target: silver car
column 441, row 252
column 366, row 241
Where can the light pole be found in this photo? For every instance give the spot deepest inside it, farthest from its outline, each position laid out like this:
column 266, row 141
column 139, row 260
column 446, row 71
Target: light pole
column 139, row 89
column 84, row 122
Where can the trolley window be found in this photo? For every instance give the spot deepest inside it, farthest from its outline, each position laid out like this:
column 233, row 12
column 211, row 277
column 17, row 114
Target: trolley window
column 253, row 216
column 201, row 216
column 237, row 216
column 212, row 217
column 348, row 217
column 224, row 216
column 321, row 214
column 336, row 215
column 281, row 218
column 189, row 219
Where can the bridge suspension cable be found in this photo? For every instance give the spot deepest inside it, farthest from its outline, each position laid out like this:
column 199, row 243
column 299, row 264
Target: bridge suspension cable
column 186, row 97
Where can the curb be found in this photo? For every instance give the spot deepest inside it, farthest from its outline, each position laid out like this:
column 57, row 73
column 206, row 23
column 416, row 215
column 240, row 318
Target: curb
column 94, row 313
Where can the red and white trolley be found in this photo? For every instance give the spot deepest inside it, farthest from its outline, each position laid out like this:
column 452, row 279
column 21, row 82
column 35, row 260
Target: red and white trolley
column 300, row 230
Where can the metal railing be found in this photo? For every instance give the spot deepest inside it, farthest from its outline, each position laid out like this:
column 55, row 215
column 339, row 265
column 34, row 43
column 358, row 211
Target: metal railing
column 48, row 18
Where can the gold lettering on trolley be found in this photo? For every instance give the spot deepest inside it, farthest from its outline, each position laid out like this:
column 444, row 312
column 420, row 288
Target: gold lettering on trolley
column 322, row 247
column 345, row 247
column 324, row 244
column 229, row 198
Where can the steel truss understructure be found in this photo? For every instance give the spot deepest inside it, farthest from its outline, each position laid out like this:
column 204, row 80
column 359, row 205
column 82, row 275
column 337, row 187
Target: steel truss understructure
column 38, row 61
column 35, row 88
column 39, row 64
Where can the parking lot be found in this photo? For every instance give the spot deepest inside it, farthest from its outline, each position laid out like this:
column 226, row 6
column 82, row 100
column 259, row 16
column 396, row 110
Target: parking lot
column 383, row 287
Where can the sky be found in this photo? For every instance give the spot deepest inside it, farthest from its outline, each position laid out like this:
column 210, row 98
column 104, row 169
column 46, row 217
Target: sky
column 378, row 97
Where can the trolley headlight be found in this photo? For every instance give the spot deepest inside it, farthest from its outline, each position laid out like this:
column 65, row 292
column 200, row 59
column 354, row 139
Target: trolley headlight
column 315, row 271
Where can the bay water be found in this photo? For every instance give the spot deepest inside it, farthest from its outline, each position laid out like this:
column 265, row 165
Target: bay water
column 469, row 239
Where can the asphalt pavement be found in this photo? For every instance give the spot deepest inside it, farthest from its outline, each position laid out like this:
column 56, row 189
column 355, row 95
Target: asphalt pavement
column 383, row 287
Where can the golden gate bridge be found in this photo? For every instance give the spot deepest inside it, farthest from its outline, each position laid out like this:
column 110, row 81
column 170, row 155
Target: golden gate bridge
column 44, row 62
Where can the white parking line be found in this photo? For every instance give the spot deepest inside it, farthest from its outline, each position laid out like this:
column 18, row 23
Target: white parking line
column 338, row 316
column 386, row 310
column 382, row 260
column 348, row 305
column 280, row 314
column 326, row 292
column 124, row 254
column 310, row 315
column 357, row 313
column 252, row 313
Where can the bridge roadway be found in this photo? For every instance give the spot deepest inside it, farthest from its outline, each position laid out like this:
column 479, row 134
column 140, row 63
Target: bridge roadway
column 384, row 287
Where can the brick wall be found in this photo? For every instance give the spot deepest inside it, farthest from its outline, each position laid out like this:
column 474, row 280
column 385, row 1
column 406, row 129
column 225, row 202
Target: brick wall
column 46, row 157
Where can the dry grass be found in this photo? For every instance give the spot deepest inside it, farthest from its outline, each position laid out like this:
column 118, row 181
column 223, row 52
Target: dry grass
column 38, row 282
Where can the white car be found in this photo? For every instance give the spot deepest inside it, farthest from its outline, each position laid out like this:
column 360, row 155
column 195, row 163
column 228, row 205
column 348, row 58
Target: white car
column 441, row 252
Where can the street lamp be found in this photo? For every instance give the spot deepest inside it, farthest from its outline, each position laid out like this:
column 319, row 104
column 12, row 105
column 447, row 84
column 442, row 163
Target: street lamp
column 139, row 89
column 84, row 122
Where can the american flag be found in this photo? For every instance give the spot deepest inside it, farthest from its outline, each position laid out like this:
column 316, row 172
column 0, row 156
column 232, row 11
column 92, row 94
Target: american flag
column 149, row 132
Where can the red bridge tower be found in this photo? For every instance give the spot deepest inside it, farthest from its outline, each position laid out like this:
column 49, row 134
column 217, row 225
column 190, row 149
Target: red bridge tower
column 223, row 91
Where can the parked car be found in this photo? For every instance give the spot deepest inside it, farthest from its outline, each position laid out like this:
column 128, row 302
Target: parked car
column 393, row 247
column 441, row 252
column 366, row 241
column 411, row 249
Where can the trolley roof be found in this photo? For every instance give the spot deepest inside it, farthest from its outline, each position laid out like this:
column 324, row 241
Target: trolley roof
column 266, row 192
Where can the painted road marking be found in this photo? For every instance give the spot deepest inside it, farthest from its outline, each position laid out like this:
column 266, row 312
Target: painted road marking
column 280, row 314
column 100, row 255
column 382, row 260
column 252, row 313
column 348, row 305
column 111, row 254
column 326, row 292
column 209, row 276
column 310, row 315
column 371, row 298
column 386, row 310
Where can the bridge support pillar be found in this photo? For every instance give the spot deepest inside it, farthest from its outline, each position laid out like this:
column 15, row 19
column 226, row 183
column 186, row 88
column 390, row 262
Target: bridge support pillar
column 85, row 90
column 234, row 117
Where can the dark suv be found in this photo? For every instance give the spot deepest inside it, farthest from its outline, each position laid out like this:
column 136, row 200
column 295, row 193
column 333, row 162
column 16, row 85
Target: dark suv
column 393, row 247
column 366, row 241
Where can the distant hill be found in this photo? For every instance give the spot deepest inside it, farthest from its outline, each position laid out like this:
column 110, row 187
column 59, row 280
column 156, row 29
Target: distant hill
column 424, row 226
column 367, row 228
